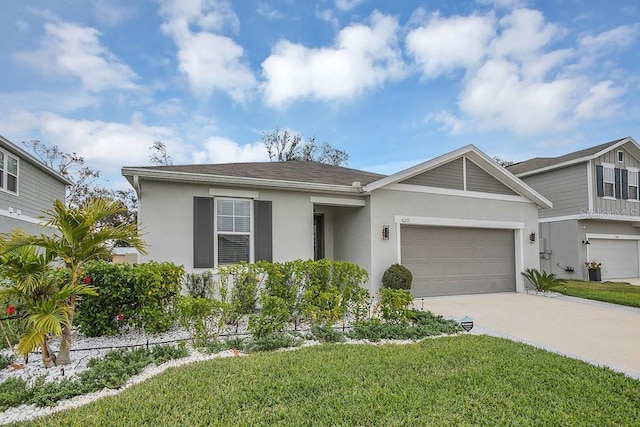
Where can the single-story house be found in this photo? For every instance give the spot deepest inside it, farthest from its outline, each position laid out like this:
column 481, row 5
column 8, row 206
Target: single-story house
column 28, row 187
column 596, row 209
column 460, row 222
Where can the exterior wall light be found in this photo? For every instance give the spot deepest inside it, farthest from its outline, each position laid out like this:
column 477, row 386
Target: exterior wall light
column 532, row 237
column 385, row 232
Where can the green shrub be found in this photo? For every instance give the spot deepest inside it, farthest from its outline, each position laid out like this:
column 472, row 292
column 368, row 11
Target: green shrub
column 326, row 334
column 200, row 284
column 393, row 305
column 273, row 342
column 542, row 281
column 142, row 296
column 6, row 360
column 243, row 280
column 274, row 316
column 13, row 392
column 202, row 317
column 397, row 276
column 423, row 324
column 165, row 352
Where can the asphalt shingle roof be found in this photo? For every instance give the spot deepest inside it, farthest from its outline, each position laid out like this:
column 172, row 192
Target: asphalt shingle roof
column 543, row 162
column 295, row 171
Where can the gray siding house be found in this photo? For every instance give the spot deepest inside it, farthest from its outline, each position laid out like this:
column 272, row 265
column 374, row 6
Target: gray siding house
column 27, row 188
column 596, row 209
column 460, row 222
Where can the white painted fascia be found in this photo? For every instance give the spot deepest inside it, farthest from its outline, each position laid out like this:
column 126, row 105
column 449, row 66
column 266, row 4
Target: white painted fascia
column 198, row 178
column 21, row 217
column 337, row 201
column 594, row 236
column 482, row 160
column 580, row 159
column 602, row 216
column 456, row 222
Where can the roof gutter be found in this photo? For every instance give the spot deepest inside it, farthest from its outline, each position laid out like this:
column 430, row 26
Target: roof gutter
column 198, row 178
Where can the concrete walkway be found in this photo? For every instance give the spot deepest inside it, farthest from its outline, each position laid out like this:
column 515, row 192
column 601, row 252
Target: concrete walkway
column 598, row 333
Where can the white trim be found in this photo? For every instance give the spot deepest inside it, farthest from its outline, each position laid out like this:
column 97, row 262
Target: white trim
column 398, row 244
column 590, row 185
column 456, row 222
column 459, row 193
column 464, row 173
column 215, row 229
column 238, row 194
column 337, row 201
column 519, row 258
column 618, row 152
column 21, row 217
column 591, row 236
column 560, row 218
column 591, row 215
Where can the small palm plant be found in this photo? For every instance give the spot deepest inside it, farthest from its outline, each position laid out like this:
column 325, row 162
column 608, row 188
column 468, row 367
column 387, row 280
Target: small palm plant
column 542, row 281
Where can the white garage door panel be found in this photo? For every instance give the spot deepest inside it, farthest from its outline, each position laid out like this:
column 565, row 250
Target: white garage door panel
column 455, row 261
column 619, row 258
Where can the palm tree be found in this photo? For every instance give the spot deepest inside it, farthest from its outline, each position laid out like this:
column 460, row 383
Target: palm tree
column 81, row 234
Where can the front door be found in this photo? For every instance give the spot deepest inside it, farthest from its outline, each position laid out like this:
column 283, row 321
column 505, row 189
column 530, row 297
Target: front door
column 318, row 236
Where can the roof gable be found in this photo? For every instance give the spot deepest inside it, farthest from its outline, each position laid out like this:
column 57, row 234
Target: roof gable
column 542, row 164
column 505, row 182
column 24, row 156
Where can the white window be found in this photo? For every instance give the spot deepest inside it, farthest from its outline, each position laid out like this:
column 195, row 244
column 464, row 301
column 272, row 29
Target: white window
column 632, row 179
column 233, row 231
column 8, row 172
column 608, row 176
column 620, row 156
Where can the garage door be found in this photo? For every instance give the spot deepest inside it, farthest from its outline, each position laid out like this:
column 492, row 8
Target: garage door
column 458, row 261
column 619, row 258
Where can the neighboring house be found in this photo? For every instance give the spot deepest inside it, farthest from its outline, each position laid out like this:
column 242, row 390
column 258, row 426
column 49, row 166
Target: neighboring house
column 596, row 209
column 27, row 189
column 460, row 222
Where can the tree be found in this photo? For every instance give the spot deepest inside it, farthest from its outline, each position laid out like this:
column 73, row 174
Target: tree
column 503, row 162
column 44, row 298
column 81, row 235
column 283, row 146
column 159, row 154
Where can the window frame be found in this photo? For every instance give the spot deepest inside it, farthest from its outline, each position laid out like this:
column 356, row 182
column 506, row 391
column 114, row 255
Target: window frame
column 217, row 233
column 633, row 172
column 606, row 166
column 620, row 156
column 5, row 174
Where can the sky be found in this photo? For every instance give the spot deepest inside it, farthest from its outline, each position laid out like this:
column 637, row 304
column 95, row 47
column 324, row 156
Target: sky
column 392, row 83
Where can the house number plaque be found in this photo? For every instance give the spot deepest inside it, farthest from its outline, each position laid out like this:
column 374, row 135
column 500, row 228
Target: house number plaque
column 466, row 323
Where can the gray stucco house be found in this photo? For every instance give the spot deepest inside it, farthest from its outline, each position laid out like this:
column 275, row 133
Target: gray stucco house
column 460, row 222
column 27, row 188
column 596, row 209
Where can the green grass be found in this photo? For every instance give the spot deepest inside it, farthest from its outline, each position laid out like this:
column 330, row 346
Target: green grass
column 461, row 380
column 613, row 292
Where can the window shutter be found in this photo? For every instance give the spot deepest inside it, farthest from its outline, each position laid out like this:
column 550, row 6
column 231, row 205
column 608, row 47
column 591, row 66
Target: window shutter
column 625, row 184
column 600, row 181
column 616, row 172
column 263, row 250
column 203, row 232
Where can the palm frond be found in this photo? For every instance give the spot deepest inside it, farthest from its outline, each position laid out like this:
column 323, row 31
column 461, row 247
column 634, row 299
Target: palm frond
column 30, row 340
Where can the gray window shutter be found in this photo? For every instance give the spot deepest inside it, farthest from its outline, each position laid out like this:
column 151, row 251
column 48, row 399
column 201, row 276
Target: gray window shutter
column 203, row 233
column 625, row 184
column 618, row 193
column 600, row 180
column 263, row 250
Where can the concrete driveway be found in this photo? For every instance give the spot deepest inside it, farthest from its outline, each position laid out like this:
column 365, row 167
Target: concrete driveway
column 598, row 333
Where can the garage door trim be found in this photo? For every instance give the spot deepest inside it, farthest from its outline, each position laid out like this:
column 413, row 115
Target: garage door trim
column 517, row 228
column 626, row 237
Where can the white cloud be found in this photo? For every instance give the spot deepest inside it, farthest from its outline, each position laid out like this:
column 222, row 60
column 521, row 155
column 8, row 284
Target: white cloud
column 223, row 150
column 347, row 5
column 209, row 60
column 363, row 57
column 599, row 101
column 524, row 32
column 622, row 36
column 70, row 50
column 445, row 44
column 110, row 14
column 449, row 123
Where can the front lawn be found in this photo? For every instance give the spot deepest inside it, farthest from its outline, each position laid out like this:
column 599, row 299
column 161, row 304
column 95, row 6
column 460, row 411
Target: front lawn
column 460, row 380
column 613, row 292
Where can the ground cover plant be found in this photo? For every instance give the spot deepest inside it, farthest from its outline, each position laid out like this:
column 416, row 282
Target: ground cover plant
column 612, row 292
column 461, row 380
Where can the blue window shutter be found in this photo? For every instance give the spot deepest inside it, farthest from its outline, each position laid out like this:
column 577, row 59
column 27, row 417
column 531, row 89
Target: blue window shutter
column 203, row 232
column 600, row 180
column 618, row 193
column 263, row 246
column 625, row 184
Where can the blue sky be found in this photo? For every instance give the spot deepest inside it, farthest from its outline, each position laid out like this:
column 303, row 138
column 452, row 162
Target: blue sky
column 393, row 83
